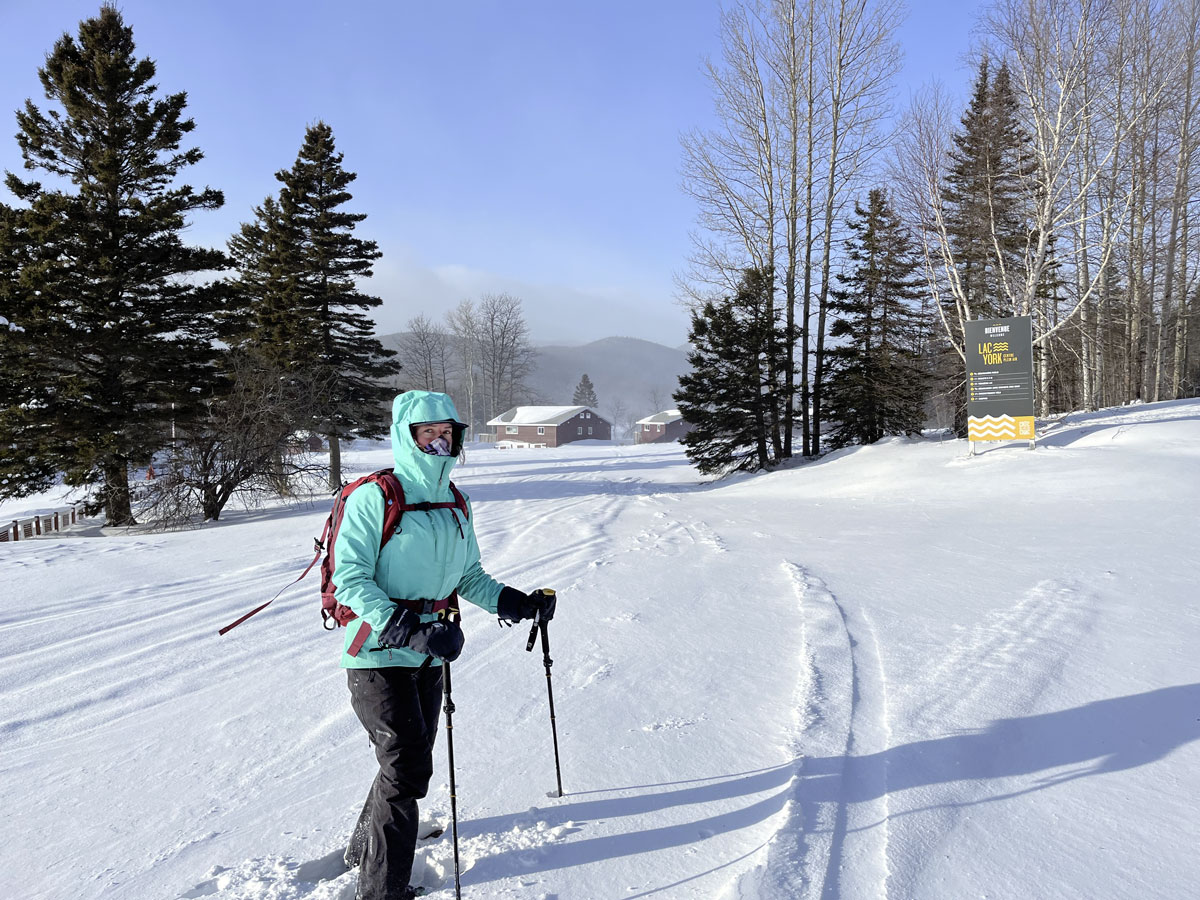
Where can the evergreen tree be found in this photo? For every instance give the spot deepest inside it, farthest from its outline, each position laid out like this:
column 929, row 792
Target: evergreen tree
column 877, row 383
column 728, row 394
column 31, row 466
column 299, row 261
column 585, row 393
column 261, row 316
column 117, row 340
column 986, row 194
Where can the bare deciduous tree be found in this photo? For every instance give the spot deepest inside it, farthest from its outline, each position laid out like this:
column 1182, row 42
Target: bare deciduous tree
column 505, row 356
column 731, row 172
column 799, row 96
column 1084, row 101
column 426, row 354
column 463, row 322
column 618, row 411
column 860, row 59
column 243, row 446
column 1175, row 278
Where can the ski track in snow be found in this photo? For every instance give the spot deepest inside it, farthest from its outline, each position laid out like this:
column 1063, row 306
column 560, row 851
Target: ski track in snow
column 861, row 793
column 1032, row 636
column 578, row 560
column 841, row 717
column 859, row 839
column 1003, row 663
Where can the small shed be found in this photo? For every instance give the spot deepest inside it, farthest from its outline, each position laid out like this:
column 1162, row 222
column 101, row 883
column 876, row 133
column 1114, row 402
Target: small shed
column 667, row 425
column 551, row 426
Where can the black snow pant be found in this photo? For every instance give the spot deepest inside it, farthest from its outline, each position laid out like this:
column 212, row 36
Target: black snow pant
column 399, row 708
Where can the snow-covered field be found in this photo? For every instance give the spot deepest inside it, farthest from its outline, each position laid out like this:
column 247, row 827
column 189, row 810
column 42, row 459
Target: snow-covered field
column 894, row 673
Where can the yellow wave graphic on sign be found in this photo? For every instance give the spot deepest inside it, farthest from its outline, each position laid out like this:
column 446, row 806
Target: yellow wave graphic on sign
column 1000, row 428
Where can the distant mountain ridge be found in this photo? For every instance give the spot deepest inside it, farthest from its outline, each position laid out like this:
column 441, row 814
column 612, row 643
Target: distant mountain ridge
column 641, row 375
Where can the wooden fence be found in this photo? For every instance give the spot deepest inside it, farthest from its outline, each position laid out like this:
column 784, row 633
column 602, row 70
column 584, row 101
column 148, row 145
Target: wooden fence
column 24, row 529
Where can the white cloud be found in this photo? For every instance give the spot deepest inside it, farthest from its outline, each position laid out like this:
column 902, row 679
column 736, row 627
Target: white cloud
column 555, row 313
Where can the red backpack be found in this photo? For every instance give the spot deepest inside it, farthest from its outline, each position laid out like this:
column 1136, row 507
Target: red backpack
column 334, row 613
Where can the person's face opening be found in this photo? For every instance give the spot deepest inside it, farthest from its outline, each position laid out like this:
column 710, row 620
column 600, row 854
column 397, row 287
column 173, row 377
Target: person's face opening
column 426, row 434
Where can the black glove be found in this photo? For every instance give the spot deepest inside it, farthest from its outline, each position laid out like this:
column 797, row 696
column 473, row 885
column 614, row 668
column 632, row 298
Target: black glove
column 515, row 605
column 442, row 638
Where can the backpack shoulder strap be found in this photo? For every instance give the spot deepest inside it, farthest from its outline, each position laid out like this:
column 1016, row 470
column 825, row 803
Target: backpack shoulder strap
column 393, row 502
column 460, row 501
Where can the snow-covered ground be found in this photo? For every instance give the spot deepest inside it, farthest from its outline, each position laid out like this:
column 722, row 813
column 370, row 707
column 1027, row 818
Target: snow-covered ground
column 897, row 672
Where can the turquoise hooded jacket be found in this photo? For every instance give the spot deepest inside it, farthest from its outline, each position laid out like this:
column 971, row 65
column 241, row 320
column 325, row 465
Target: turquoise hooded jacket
column 427, row 558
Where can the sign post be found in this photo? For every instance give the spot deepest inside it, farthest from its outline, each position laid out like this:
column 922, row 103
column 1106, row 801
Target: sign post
column 1000, row 380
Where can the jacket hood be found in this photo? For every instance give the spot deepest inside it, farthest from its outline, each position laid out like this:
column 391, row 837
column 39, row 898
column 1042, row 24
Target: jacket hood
column 424, row 476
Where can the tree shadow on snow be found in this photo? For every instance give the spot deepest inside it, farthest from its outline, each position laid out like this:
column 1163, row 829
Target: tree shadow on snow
column 1098, row 738
column 648, row 840
column 1102, row 737
column 1076, row 431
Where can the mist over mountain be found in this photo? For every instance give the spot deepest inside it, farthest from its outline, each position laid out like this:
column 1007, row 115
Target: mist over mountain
column 633, row 377
column 640, row 374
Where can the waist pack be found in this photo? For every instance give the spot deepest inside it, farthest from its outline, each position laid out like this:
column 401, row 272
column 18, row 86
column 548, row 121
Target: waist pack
column 334, row 613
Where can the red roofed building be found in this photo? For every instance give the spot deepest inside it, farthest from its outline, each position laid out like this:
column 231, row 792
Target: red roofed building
column 550, row 426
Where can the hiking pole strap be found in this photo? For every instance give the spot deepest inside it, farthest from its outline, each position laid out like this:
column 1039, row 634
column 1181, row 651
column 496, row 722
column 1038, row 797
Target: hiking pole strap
column 320, row 547
column 537, row 618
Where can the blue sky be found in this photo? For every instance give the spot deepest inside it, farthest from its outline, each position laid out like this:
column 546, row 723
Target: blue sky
column 527, row 146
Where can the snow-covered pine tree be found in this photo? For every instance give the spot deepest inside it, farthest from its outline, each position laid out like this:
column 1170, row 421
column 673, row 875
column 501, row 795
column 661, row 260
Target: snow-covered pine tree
column 585, row 393
column 878, row 381
column 728, row 394
column 299, row 261
column 117, row 341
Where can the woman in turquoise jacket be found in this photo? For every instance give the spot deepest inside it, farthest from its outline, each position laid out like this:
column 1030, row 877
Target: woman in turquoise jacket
column 405, row 597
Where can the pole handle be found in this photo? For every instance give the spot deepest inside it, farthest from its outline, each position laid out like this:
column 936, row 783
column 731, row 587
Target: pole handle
column 537, row 620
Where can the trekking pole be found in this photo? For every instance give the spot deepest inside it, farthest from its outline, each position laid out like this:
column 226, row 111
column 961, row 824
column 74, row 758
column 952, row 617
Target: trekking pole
column 539, row 623
column 449, row 707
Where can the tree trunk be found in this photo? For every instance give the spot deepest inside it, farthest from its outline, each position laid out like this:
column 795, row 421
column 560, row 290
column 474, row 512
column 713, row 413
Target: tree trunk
column 1087, row 354
column 1150, row 359
column 1181, row 320
column 1136, row 257
column 809, row 224
column 792, row 218
column 335, row 461
column 211, row 504
column 118, row 509
column 823, row 299
column 1177, row 239
column 761, row 414
column 1083, row 279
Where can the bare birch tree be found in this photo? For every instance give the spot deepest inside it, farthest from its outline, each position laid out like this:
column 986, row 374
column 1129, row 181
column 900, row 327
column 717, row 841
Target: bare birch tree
column 803, row 88
column 731, row 172
column 792, row 33
column 1066, row 59
column 1175, row 278
column 860, row 59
